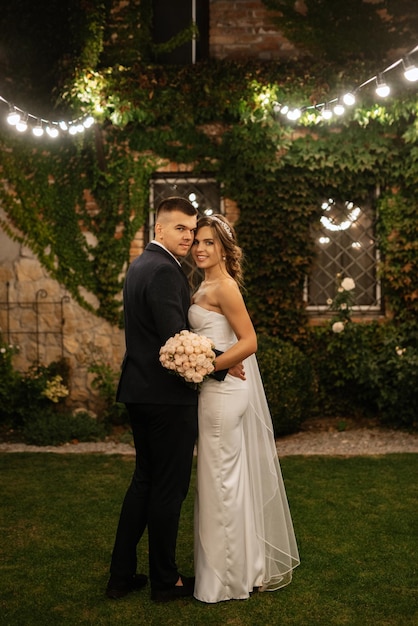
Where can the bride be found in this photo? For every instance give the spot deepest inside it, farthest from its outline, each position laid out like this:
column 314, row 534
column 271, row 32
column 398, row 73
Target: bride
column 244, row 538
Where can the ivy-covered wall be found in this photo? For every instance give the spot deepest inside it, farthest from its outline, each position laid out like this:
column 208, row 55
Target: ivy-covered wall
column 276, row 172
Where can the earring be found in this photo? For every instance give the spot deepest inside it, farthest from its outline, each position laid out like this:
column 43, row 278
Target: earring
column 224, row 258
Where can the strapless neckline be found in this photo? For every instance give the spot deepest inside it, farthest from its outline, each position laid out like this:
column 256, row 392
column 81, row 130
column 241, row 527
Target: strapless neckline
column 207, row 310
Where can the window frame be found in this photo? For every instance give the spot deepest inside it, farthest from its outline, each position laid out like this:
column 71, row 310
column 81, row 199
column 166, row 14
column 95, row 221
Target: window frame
column 374, row 309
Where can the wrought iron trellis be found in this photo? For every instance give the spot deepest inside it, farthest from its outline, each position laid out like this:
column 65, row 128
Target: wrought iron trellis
column 36, row 306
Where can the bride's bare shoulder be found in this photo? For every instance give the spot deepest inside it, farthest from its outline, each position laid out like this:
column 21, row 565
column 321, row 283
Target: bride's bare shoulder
column 228, row 289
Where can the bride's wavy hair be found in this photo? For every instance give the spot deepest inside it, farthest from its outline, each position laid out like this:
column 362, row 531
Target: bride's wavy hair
column 226, row 234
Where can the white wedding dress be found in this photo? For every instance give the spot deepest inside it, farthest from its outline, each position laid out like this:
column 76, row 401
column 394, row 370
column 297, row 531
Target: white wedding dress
column 244, row 534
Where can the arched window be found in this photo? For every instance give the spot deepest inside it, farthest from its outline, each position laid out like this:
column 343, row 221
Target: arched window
column 346, row 247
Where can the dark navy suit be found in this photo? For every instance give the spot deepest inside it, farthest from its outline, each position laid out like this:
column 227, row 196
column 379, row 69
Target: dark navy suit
column 163, row 414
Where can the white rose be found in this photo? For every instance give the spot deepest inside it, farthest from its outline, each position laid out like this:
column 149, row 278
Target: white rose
column 189, row 373
column 348, row 284
column 338, row 327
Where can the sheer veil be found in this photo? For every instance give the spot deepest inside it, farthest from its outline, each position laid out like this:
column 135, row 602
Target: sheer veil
column 274, row 525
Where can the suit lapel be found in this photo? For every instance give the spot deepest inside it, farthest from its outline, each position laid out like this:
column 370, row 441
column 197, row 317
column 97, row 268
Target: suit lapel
column 156, row 248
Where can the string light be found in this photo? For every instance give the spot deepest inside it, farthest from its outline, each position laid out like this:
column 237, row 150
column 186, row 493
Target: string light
column 23, row 120
column 330, row 224
column 38, row 130
column 326, row 112
column 13, row 116
column 52, row 130
column 410, row 70
column 339, row 109
column 382, row 89
column 22, row 124
column 349, row 99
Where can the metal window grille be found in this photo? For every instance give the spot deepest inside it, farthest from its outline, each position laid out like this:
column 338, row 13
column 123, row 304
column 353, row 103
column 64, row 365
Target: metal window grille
column 346, row 247
column 204, row 193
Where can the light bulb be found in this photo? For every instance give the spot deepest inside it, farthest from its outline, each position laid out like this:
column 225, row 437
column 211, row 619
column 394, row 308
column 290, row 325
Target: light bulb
column 37, row 130
column 339, row 109
column 13, row 117
column 294, row 114
column 52, row 131
column 72, row 130
column 326, row 112
column 410, row 71
column 63, row 125
column 382, row 89
column 89, row 121
column 284, row 110
column 349, row 99
column 22, row 125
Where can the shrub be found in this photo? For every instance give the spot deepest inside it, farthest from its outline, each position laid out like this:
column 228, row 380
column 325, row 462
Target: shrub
column 105, row 381
column 367, row 369
column 9, row 383
column 32, row 403
column 288, row 383
column 41, row 389
column 393, row 375
column 51, row 428
column 340, row 364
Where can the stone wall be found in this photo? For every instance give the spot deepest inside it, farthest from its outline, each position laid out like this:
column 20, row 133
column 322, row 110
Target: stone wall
column 85, row 337
column 62, row 327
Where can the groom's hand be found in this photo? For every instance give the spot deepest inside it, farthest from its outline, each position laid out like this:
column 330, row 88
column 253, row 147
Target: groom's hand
column 237, row 371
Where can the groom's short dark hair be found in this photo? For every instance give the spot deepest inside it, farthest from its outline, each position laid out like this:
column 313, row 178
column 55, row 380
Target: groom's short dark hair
column 176, row 203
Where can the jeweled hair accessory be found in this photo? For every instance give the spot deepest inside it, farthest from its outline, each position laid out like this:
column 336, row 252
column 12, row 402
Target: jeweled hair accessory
column 224, row 225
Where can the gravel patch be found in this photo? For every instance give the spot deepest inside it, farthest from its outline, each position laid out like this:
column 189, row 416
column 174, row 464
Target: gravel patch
column 358, row 442
column 330, row 442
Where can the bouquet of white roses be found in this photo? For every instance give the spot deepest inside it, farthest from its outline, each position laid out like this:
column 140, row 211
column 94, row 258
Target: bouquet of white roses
column 189, row 355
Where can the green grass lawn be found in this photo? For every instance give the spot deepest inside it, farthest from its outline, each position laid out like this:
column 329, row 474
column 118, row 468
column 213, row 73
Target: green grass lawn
column 355, row 519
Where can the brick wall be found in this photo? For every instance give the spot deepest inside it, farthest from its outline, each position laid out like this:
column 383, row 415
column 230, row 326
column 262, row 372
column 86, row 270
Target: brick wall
column 242, row 29
column 238, row 29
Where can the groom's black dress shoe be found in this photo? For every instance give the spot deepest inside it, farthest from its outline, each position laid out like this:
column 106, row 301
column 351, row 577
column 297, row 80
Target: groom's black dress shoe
column 176, row 592
column 120, row 588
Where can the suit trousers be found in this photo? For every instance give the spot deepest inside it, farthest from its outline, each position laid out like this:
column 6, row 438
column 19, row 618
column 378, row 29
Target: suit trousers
column 164, row 437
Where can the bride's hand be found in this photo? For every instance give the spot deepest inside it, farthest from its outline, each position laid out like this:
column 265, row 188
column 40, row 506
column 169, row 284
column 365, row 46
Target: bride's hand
column 237, row 371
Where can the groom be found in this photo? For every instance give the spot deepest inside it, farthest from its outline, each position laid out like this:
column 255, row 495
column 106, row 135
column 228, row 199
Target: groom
column 162, row 409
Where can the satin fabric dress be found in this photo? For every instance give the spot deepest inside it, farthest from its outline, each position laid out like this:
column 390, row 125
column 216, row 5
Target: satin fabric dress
column 244, row 534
